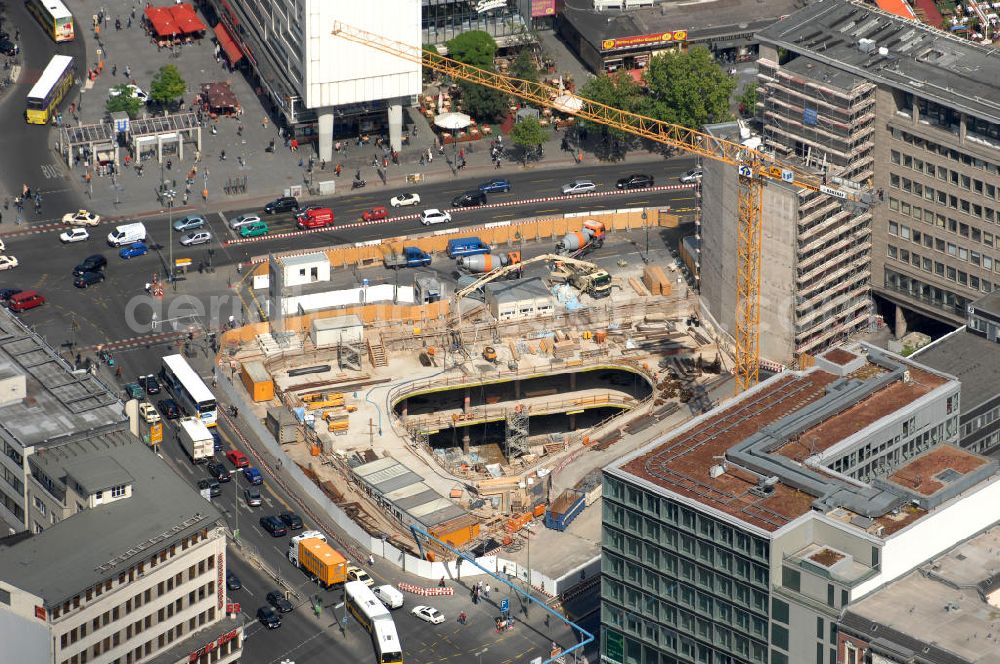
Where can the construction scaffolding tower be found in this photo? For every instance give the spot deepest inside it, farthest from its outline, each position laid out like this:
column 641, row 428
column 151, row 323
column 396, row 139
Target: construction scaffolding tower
column 516, row 439
column 349, row 355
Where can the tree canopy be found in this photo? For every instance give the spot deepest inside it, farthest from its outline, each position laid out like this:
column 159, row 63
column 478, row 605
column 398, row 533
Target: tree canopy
column 524, row 66
column 484, row 104
column 617, row 90
column 529, row 135
column 687, row 88
column 476, row 48
column 124, row 101
column 167, row 86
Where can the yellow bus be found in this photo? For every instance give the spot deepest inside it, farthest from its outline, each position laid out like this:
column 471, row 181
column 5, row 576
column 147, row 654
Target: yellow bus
column 51, row 88
column 54, row 17
column 375, row 618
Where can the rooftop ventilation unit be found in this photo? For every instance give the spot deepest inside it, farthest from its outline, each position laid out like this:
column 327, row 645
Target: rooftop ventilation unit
column 866, row 45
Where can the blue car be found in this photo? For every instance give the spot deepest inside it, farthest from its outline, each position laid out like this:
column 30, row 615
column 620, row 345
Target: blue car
column 216, row 438
column 253, row 475
column 133, row 250
column 496, row 185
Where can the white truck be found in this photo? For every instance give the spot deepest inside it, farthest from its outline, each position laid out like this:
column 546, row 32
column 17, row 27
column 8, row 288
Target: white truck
column 127, row 234
column 196, row 439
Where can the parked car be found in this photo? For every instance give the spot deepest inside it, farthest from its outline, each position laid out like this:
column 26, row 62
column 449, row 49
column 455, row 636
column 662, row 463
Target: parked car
column 375, row 214
column 91, row 263
column 149, row 383
column 243, row 220
column 218, row 471
column 693, row 176
column 148, row 413
column 216, row 439
column 130, row 90
column 429, row 614
column 469, row 199
column 358, row 574
column 233, row 582
column 87, row 279
column 253, row 476
column 133, row 250
column 8, row 47
column 74, row 235
column 81, row 218
column 252, row 496
column 496, row 185
column 256, row 229
column 8, row 262
column 237, row 458
column 191, row 222
column 268, row 617
column 197, row 237
column 273, row 525
column 282, row 204
column 6, row 294
column 277, row 599
column 26, row 300
column 578, row 187
column 134, row 391
column 434, row 216
column 169, row 408
column 635, row 181
column 292, row 520
column 405, row 200
column 213, row 486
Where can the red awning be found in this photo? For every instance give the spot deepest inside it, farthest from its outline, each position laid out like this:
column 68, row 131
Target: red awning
column 186, row 18
column 897, row 7
column 162, row 21
column 636, row 75
column 229, row 46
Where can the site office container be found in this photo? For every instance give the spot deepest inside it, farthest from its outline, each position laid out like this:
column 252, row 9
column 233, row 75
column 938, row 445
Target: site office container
column 257, row 381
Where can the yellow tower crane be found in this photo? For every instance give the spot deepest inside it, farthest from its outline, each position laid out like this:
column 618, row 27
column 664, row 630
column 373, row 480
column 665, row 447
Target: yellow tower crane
column 754, row 168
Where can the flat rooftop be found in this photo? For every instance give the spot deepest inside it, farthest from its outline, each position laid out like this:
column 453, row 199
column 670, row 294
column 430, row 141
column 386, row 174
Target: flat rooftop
column 947, row 610
column 702, row 20
column 408, row 492
column 162, row 509
column 833, row 77
column 774, row 427
column 989, row 303
column 973, row 360
column 927, row 62
column 60, row 404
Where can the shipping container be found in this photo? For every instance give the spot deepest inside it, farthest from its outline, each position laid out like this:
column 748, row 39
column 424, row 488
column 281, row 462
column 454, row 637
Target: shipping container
column 322, row 561
column 257, row 381
column 564, row 509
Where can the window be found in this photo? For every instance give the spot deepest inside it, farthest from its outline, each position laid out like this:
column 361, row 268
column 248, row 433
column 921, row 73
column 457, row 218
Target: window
column 791, row 578
column 118, row 491
column 779, row 610
column 829, row 594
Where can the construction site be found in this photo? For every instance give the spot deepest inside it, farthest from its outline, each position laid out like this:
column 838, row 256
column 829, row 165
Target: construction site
column 484, row 412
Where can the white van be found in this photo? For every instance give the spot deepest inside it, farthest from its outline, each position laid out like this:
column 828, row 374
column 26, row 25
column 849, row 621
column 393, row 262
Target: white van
column 127, row 234
column 389, row 596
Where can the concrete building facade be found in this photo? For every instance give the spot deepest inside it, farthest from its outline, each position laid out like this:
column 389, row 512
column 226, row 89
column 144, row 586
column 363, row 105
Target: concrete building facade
column 743, row 536
column 150, row 578
column 936, row 136
column 323, row 85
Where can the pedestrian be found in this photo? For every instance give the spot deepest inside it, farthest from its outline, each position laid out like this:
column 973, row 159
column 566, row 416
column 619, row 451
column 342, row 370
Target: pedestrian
column 498, row 164
column 128, row 71
column 338, row 169
column 118, row 371
column 129, row 22
column 441, row 582
column 486, row 589
column 322, row 165
column 114, row 70
column 264, row 122
column 371, row 560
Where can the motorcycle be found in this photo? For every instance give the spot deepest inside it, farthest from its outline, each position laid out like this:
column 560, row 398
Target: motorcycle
column 358, row 184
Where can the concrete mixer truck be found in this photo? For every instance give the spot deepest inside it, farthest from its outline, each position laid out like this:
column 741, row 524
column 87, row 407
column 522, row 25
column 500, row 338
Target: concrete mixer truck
column 582, row 242
column 488, row 262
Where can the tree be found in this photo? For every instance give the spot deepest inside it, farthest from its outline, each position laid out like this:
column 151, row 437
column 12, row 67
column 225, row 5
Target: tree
column 748, row 100
column 429, row 73
column 524, row 66
column 476, row 48
column 618, row 91
column 529, row 135
column 124, row 101
column 483, row 103
column 167, row 86
column 687, row 88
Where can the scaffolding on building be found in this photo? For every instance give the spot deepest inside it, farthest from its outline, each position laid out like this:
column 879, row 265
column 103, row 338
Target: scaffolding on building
column 516, row 432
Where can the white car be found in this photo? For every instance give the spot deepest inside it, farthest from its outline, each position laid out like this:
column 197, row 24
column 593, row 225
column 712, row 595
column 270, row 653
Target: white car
column 7, row 262
column 197, row 237
column 74, row 235
column 133, row 90
column 692, row 177
column 148, row 413
column 434, row 216
column 358, row 574
column 243, row 220
column 81, row 218
column 404, row 200
column 428, row 613
column 578, row 187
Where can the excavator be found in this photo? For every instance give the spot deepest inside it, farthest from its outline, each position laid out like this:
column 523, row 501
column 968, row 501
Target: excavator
column 586, row 277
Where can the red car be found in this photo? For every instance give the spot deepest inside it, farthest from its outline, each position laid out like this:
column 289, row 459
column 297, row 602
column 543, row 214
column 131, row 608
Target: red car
column 315, row 218
column 238, row 459
column 375, row 214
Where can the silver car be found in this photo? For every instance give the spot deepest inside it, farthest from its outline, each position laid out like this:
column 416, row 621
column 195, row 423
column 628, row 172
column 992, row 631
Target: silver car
column 189, row 223
column 243, row 220
column 578, row 187
column 197, row 237
column 692, row 177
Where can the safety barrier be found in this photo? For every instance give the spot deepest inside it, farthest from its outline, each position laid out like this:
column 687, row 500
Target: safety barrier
column 426, row 592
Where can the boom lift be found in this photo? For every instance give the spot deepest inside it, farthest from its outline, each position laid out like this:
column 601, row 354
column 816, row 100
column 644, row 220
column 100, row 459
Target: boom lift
column 754, row 169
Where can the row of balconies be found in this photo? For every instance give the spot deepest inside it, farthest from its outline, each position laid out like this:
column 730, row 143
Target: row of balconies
column 820, row 274
column 836, row 244
column 827, row 283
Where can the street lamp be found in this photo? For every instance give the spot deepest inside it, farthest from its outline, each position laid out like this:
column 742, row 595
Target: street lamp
column 645, row 258
column 236, row 503
column 169, row 195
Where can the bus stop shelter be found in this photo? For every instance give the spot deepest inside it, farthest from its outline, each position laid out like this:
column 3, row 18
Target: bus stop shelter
column 91, row 142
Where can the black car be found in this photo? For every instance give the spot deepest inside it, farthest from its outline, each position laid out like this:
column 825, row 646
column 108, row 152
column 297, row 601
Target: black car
column 7, row 293
column 213, row 486
column 283, row 204
column 218, row 471
column 636, row 181
column 276, row 598
column 88, row 279
column 273, row 525
column 268, row 618
column 233, row 581
column 7, row 47
column 292, row 520
column 149, row 383
column 469, row 199
column 169, row 408
column 93, row 263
